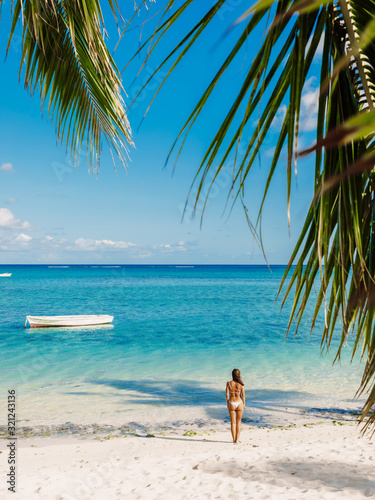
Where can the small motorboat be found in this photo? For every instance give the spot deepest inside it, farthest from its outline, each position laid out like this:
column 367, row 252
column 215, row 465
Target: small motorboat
column 3, row 275
column 87, row 320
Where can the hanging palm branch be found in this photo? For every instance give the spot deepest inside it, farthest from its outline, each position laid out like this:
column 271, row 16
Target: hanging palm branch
column 64, row 56
column 336, row 249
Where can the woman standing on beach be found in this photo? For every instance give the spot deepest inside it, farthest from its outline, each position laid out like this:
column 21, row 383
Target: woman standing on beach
column 235, row 395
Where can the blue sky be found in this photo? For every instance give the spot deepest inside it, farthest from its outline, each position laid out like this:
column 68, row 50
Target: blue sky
column 52, row 212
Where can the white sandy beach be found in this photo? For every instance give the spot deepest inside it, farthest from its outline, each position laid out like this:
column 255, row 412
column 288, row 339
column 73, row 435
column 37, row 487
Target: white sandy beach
column 325, row 460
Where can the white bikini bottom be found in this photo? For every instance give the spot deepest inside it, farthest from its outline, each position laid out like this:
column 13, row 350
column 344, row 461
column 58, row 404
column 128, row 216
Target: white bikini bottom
column 235, row 404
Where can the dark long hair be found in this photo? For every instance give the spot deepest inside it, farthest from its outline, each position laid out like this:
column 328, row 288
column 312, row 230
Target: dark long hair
column 236, row 376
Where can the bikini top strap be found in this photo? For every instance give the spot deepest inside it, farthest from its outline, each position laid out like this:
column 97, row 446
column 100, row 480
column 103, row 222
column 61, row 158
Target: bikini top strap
column 233, row 390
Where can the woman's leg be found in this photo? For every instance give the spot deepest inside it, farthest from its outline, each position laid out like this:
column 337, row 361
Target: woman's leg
column 232, row 415
column 239, row 414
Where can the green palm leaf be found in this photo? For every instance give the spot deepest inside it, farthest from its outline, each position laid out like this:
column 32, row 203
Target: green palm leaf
column 64, row 55
column 335, row 251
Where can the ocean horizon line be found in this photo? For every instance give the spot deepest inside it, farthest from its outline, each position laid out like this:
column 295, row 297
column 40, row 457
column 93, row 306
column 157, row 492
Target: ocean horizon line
column 142, row 265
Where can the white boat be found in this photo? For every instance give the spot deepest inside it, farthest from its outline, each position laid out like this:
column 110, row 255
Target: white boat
column 5, row 274
column 88, row 320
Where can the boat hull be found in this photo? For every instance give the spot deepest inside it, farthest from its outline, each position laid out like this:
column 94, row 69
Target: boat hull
column 53, row 321
column 3, row 275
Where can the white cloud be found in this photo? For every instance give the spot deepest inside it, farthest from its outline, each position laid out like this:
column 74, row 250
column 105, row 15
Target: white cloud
column 311, row 100
column 49, row 247
column 181, row 246
column 8, row 221
column 90, row 244
column 23, row 239
column 320, row 47
column 133, row 250
column 49, row 242
column 308, row 111
column 270, row 152
column 279, row 117
column 15, row 243
column 6, row 167
column 309, row 105
column 10, row 200
column 6, row 217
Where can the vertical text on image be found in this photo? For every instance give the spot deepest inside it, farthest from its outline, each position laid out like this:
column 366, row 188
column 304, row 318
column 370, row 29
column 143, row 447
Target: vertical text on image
column 12, row 439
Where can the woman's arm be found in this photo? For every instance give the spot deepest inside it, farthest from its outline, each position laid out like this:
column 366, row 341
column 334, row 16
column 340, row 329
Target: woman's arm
column 243, row 395
column 226, row 393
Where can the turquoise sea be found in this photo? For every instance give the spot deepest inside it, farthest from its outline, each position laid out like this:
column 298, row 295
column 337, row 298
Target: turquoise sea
column 177, row 333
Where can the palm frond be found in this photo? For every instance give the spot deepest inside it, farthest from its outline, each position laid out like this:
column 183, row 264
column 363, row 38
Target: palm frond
column 64, row 56
column 354, row 28
column 335, row 250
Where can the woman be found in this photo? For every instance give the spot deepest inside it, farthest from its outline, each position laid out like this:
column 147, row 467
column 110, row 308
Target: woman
column 235, row 394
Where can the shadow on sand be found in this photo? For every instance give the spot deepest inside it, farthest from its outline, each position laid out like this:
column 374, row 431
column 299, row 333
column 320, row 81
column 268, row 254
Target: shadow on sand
column 305, row 475
column 262, row 405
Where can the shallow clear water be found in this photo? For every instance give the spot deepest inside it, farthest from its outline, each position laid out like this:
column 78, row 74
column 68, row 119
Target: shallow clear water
column 177, row 334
